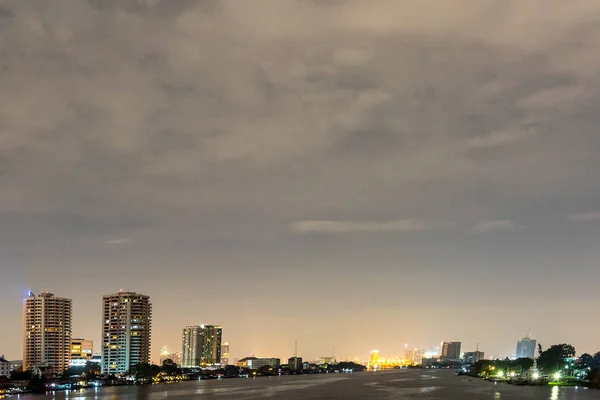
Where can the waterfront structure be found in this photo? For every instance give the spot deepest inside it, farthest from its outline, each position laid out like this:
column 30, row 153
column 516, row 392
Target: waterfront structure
column 243, row 363
column 430, row 362
column 126, row 331
column 47, row 332
column 256, row 363
column 472, row 357
column 225, row 354
column 5, row 367
column 451, row 351
column 201, row 346
column 526, row 348
column 295, row 363
column 81, row 352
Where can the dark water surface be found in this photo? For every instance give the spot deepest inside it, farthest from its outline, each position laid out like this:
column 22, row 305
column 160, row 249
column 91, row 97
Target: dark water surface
column 382, row 385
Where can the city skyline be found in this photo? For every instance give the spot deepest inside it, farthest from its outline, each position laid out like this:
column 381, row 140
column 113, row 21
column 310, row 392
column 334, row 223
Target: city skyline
column 413, row 178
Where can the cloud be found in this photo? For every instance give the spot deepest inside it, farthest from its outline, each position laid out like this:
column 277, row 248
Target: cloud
column 405, row 225
column 118, row 241
column 584, row 217
column 495, row 226
column 198, row 114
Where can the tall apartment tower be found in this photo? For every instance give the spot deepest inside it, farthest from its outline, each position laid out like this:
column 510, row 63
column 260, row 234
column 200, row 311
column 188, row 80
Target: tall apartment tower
column 47, row 332
column 225, row 354
column 126, row 328
column 526, row 348
column 201, row 346
column 451, row 350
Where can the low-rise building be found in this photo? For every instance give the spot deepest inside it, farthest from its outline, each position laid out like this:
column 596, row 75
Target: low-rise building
column 295, row 363
column 261, row 362
column 472, row 357
column 430, row 362
column 243, row 363
column 81, row 352
column 5, row 366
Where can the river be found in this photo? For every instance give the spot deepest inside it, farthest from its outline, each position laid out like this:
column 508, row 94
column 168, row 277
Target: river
column 381, row 385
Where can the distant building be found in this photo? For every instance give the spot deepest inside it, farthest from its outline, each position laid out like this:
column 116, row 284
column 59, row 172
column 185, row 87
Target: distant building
column 81, row 352
column 126, row 329
column 225, row 354
column 451, row 351
column 201, row 346
column 47, row 328
column 526, row 348
column 261, row 362
column 326, row 360
column 430, row 362
column 165, row 354
column 373, row 359
column 5, row 367
column 243, row 363
column 295, row 363
column 414, row 357
column 473, row 356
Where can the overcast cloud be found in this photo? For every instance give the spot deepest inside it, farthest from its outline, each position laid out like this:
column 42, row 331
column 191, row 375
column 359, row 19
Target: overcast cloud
column 201, row 139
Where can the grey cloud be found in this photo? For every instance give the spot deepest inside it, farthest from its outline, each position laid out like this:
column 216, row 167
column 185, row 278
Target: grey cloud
column 405, row 225
column 495, row 226
column 593, row 216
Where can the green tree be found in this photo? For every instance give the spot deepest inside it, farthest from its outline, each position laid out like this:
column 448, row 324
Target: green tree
column 146, row 371
column 169, row 367
column 555, row 358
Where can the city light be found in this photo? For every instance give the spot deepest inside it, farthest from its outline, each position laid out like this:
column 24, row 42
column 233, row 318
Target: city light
column 536, row 375
column 557, row 376
column 500, row 374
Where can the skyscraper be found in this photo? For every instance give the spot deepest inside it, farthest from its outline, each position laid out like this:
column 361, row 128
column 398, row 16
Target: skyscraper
column 526, row 348
column 47, row 332
column 225, row 354
column 126, row 328
column 201, row 345
column 451, row 350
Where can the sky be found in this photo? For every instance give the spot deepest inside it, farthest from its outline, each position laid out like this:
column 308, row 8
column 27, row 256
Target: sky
column 348, row 173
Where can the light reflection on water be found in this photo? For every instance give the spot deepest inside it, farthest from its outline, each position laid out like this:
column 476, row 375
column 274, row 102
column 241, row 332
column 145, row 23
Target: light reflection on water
column 554, row 394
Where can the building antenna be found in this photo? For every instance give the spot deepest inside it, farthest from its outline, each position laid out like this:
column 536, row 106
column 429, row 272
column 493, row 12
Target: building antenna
column 296, row 348
column 477, row 349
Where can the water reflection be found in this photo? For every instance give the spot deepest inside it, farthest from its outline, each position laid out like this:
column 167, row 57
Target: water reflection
column 554, row 395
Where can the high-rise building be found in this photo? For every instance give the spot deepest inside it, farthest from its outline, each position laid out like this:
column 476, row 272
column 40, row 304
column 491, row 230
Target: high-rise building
column 81, row 352
column 526, row 348
column 225, row 354
column 201, row 346
column 126, row 329
column 451, row 351
column 47, row 323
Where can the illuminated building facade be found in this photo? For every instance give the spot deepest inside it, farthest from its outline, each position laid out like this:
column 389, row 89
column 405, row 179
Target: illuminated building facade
column 81, row 352
column 225, row 354
column 47, row 332
column 256, row 363
column 414, row 357
column 451, row 351
column 526, row 348
column 201, row 346
column 126, row 330
column 165, row 354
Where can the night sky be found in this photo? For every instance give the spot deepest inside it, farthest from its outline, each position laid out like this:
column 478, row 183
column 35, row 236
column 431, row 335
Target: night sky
column 349, row 173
